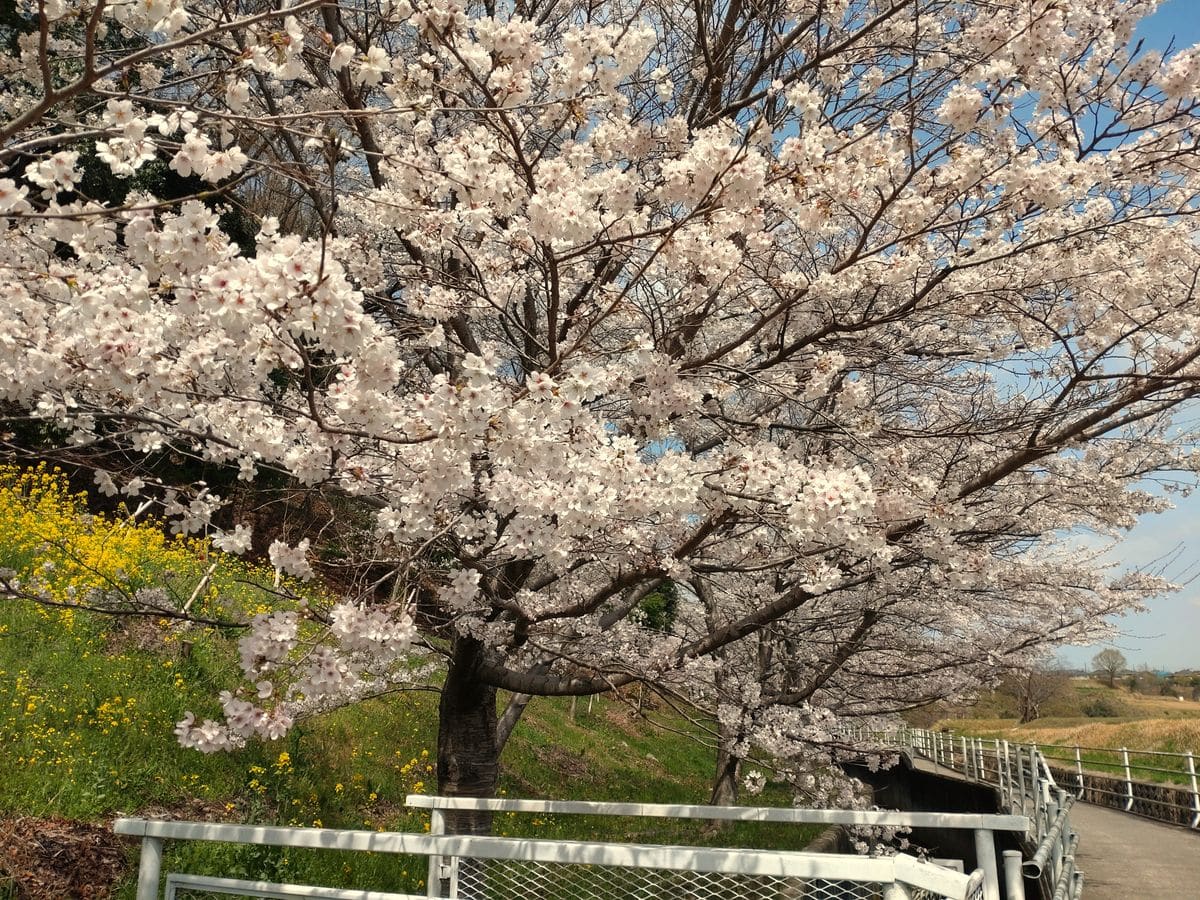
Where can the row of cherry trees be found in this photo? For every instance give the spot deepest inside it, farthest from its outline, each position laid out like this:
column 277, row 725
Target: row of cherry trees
column 843, row 315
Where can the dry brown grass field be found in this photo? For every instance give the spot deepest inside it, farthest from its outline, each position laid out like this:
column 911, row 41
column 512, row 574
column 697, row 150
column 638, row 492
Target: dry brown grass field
column 1140, row 722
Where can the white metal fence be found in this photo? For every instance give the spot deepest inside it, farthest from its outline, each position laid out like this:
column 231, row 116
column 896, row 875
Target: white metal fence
column 983, row 826
column 1026, row 786
column 493, row 868
column 1154, row 784
column 1036, row 808
column 1119, row 778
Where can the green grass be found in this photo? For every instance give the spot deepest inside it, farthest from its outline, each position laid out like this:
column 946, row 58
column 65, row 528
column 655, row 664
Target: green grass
column 88, row 703
column 88, row 721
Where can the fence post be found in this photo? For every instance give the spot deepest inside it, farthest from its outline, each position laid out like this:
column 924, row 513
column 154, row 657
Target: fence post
column 1001, row 774
column 1079, row 770
column 148, row 868
column 966, row 758
column 985, row 858
column 1006, row 792
column 1014, row 881
column 1064, row 838
column 433, row 883
column 1035, row 785
column 1020, row 780
column 950, row 745
column 1128, row 780
column 1195, row 793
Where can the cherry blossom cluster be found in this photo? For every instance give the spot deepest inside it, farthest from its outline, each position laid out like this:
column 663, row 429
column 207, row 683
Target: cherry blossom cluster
column 276, row 645
column 852, row 327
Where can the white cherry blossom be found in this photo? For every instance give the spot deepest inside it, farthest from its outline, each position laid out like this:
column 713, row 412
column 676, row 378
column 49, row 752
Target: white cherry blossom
column 856, row 350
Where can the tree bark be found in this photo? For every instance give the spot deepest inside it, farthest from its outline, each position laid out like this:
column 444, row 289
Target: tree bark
column 512, row 715
column 727, row 777
column 468, row 755
column 725, row 784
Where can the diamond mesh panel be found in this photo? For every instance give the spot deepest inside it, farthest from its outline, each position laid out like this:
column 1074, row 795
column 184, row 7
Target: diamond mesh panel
column 198, row 893
column 518, row 880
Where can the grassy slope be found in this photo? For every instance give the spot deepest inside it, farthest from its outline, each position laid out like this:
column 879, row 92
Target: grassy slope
column 87, row 705
column 96, row 726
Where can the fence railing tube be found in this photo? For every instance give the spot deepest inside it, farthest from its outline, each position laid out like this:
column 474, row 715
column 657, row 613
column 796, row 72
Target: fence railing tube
column 1062, row 890
column 985, row 858
column 1014, row 885
column 1033, row 867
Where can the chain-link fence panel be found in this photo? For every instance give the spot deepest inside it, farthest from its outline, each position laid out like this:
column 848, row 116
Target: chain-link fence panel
column 479, row 879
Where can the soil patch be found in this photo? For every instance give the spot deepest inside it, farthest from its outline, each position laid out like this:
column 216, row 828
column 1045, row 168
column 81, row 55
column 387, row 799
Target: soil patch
column 561, row 760
column 53, row 859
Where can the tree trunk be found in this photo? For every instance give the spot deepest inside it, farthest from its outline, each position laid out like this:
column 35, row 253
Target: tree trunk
column 512, row 715
column 725, row 781
column 468, row 754
column 1028, row 709
column 725, row 784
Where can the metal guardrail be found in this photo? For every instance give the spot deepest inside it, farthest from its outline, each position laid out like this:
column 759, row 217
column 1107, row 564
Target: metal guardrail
column 1097, row 781
column 1112, row 784
column 792, row 814
column 471, row 867
column 1026, row 786
column 981, row 824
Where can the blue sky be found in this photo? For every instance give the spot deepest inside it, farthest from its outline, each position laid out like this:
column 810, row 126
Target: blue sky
column 1167, row 635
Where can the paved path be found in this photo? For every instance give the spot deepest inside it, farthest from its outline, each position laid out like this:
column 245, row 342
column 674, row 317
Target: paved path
column 1124, row 857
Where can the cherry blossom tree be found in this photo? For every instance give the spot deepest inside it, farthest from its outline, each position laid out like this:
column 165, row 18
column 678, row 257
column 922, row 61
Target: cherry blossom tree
column 851, row 310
